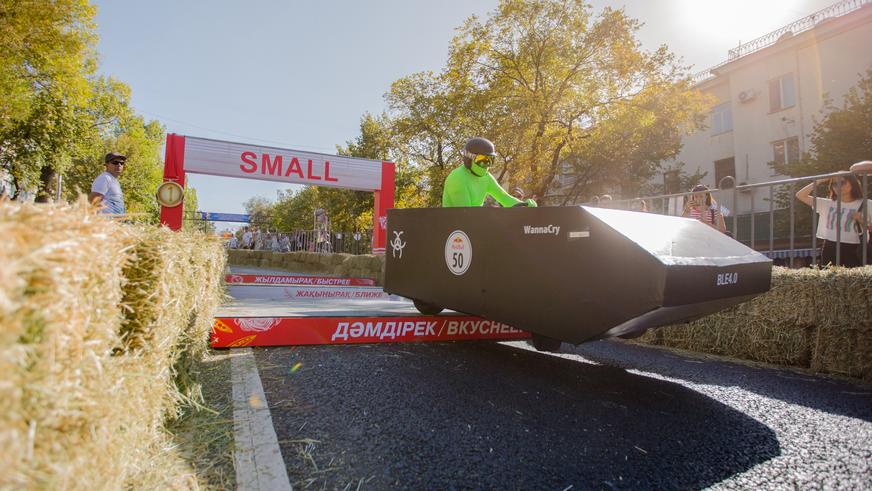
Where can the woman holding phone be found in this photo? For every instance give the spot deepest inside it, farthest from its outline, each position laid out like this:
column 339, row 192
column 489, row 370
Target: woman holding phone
column 703, row 207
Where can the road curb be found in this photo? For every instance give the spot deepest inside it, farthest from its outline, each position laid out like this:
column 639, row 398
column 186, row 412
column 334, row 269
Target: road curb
column 257, row 456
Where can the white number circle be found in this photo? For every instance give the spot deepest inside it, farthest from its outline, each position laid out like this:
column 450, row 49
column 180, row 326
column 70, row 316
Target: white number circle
column 458, row 252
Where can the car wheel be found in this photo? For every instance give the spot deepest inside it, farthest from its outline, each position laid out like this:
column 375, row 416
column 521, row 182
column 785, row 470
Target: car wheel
column 426, row 308
column 544, row 343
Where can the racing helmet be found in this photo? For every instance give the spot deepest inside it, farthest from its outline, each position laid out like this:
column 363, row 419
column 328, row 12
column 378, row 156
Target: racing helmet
column 479, row 154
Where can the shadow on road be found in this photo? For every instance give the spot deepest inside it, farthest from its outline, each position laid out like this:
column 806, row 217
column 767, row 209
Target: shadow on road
column 833, row 396
column 483, row 415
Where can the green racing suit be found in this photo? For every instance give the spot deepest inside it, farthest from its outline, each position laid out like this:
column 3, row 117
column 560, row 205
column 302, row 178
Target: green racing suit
column 463, row 188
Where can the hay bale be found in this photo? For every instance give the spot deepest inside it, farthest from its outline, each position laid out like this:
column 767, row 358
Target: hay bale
column 339, row 258
column 358, row 262
column 289, row 262
column 59, row 326
column 811, row 318
column 308, row 257
column 97, row 322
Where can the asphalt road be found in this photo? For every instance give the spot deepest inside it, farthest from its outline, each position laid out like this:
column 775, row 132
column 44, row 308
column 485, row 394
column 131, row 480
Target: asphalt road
column 605, row 415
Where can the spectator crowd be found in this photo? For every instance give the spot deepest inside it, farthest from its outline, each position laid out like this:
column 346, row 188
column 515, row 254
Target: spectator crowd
column 258, row 239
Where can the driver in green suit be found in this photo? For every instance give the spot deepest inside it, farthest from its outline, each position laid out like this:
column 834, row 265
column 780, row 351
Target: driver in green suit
column 471, row 183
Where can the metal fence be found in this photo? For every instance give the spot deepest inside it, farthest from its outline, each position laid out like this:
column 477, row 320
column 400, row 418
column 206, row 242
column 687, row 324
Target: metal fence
column 358, row 242
column 777, row 228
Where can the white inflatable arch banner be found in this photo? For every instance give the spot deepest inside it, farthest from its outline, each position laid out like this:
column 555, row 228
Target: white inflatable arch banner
column 192, row 155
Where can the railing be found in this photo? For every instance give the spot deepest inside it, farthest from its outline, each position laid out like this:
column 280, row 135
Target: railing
column 359, row 242
column 792, row 29
column 783, row 218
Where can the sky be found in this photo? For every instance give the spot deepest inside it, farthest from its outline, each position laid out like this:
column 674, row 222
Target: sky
column 300, row 74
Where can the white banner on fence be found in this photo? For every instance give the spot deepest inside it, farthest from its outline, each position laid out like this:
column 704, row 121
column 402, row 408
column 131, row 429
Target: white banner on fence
column 221, row 158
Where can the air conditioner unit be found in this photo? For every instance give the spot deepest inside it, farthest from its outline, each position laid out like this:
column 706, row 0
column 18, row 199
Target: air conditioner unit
column 747, row 95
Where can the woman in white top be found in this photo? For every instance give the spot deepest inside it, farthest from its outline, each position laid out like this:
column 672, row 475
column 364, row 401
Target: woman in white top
column 850, row 222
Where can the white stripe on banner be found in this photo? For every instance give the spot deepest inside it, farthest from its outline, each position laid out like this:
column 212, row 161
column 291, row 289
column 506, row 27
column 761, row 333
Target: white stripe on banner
column 229, row 159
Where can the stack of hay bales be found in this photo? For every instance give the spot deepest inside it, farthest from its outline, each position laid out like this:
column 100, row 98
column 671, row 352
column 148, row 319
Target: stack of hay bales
column 345, row 265
column 811, row 318
column 98, row 321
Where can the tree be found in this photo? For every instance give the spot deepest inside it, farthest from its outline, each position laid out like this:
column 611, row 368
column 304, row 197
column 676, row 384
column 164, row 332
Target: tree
column 294, row 210
column 558, row 90
column 45, row 46
column 259, row 209
column 57, row 117
column 46, row 56
column 192, row 219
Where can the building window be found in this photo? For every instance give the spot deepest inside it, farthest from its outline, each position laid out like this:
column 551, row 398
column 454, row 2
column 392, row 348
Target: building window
column 722, row 119
column 781, row 93
column 724, row 168
column 786, row 151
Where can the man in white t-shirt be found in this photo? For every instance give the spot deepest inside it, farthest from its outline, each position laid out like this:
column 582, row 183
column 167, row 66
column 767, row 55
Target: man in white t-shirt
column 106, row 190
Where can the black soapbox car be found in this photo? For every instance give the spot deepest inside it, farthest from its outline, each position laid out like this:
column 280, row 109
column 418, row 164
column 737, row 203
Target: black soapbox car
column 568, row 274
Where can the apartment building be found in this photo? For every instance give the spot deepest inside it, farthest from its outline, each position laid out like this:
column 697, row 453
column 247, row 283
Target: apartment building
column 770, row 91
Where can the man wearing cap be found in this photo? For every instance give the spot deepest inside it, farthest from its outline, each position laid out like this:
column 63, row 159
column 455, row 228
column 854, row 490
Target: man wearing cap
column 106, row 190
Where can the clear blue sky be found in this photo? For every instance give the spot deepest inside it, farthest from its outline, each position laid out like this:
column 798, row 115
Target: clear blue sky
column 300, row 74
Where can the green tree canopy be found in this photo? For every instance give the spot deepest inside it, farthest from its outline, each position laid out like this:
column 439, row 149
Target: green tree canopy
column 559, row 90
column 46, row 46
column 57, row 116
column 260, row 209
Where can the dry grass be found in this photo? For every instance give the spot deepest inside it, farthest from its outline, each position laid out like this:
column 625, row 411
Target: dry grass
column 100, row 323
column 811, row 318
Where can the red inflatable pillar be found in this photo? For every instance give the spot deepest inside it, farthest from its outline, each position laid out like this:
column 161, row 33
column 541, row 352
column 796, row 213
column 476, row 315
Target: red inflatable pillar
column 174, row 170
column 384, row 199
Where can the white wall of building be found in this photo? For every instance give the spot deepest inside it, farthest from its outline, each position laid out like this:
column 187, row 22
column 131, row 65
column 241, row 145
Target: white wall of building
column 826, row 60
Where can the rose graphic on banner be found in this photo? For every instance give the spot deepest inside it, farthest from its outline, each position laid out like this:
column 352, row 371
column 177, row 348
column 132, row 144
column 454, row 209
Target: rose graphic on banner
column 255, row 324
column 235, row 278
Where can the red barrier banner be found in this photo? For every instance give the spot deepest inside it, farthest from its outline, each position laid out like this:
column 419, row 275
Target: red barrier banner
column 258, row 279
column 234, row 332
